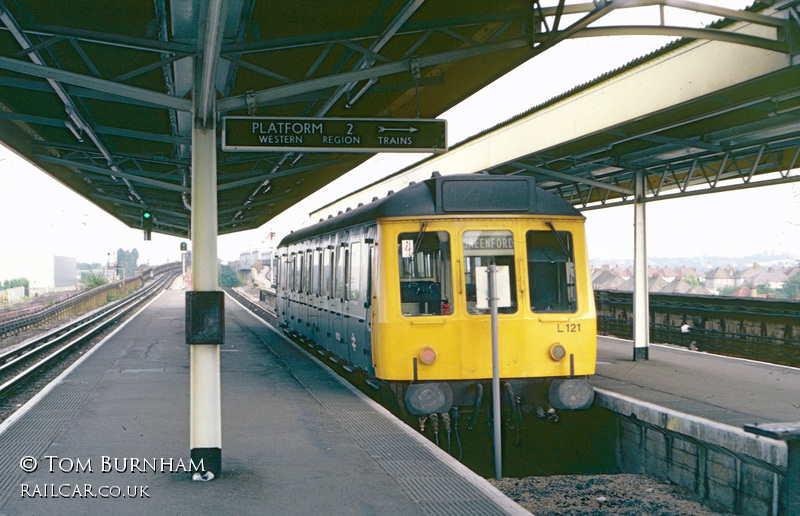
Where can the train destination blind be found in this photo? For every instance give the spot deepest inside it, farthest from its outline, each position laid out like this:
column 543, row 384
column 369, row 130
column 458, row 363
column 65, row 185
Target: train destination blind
column 264, row 134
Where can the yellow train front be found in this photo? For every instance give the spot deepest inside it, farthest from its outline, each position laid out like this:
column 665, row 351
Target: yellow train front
column 398, row 288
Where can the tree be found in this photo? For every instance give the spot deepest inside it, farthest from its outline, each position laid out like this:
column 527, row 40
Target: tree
column 126, row 260
column 764, row 288
column 790, row 289
column 691, row 279
column 227, row 277
column 91, row 280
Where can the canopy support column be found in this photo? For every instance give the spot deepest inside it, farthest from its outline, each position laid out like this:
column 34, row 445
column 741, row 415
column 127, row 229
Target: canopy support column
column 205, row 405
column 641, row 295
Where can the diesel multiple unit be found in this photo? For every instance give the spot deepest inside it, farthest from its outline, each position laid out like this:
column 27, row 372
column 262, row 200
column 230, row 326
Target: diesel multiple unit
column 397, row 288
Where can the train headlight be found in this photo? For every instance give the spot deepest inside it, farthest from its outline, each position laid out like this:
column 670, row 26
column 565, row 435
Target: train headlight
column 557, row 352
column 427, row 355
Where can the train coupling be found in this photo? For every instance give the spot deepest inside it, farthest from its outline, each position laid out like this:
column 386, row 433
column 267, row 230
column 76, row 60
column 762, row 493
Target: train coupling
column 550, row 414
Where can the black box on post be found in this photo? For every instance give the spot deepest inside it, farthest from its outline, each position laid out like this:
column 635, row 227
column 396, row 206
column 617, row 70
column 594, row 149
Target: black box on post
column 205, row 317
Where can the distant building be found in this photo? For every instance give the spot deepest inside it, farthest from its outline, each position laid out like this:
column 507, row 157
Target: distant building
column 682, row 272
column 747, row 292
column 773, row 278
column 45, row 273
column 681, row 286
column 607, row 280
column 745, row 276
column 718, row 279
column 654, row 284
column 11, row 295
column 248, row 265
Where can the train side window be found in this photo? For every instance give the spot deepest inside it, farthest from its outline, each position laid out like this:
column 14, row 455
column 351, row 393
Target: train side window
column 484, row 248
column 426, row 285
column 307, row 273
column 327, row 276
column 551, row 271
column 354, row 286
column 340, row 281
column 316, row 274
column 290, row 272
column 298, row 273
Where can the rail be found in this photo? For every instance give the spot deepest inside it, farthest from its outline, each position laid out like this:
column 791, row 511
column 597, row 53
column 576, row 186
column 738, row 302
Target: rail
column 758, row 329
column 22, row 363
column 83, row 301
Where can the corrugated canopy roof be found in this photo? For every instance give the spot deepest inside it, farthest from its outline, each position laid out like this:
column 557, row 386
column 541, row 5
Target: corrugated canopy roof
column 100, row 94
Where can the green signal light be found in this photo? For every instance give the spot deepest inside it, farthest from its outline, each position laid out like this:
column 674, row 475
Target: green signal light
column 146, row 214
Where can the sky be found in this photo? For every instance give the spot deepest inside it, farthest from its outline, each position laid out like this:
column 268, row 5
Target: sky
column 41, row 216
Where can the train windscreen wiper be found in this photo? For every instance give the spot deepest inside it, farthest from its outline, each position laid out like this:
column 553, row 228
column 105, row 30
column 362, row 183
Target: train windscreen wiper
column 558, row 238
column 419, row 236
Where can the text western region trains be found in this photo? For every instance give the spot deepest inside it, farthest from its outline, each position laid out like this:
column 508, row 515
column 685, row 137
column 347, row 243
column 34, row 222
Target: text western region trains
column 292, row 133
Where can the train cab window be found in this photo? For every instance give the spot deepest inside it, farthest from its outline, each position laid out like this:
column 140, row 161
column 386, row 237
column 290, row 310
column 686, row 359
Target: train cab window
column 484, row 248
column 551, row 271
column 426, row 286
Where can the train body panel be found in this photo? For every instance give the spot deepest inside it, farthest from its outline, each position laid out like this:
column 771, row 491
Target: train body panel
column 460, row 334
column 398, row 288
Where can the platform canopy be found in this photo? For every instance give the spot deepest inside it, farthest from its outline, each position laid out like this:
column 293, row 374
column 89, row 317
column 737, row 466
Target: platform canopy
column 99, row 94
column 103, row 95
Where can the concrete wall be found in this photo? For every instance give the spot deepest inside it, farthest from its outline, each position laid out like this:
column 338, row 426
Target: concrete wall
column 12, row 295
column 737, row 471
column 65, row 271
column 44, row 272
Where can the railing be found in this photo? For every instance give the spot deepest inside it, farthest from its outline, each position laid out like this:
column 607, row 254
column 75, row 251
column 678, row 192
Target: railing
column 82, row 302
column 759, row 329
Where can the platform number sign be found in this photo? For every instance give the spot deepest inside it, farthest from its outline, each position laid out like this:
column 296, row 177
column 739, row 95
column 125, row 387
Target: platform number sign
column 407, row 248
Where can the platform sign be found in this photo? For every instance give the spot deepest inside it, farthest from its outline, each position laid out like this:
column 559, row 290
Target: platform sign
column 482, row 287
column 271, row 134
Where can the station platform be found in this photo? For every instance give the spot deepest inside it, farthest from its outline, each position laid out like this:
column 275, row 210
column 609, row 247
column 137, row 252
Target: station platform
column 705, row 422
column 111, row 435
column 725, row 390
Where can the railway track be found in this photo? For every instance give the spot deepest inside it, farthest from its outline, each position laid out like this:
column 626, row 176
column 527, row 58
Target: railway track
column 40, row 356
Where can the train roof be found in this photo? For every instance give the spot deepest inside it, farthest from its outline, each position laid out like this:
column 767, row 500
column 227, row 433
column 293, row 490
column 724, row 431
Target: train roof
column 461, row 194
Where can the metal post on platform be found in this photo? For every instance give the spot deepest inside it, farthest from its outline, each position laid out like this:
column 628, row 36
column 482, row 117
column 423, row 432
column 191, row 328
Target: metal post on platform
column 205, row 406
column 641, row 296
column 498, row 421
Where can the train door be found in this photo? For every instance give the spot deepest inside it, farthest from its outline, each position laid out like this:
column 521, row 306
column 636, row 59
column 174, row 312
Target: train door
column 326, row 295
column 280, row 287
column 316, row 313
column 306, row 305
column 297, row 266
column 339, row 304
column 369, row 277
column 356, row 298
